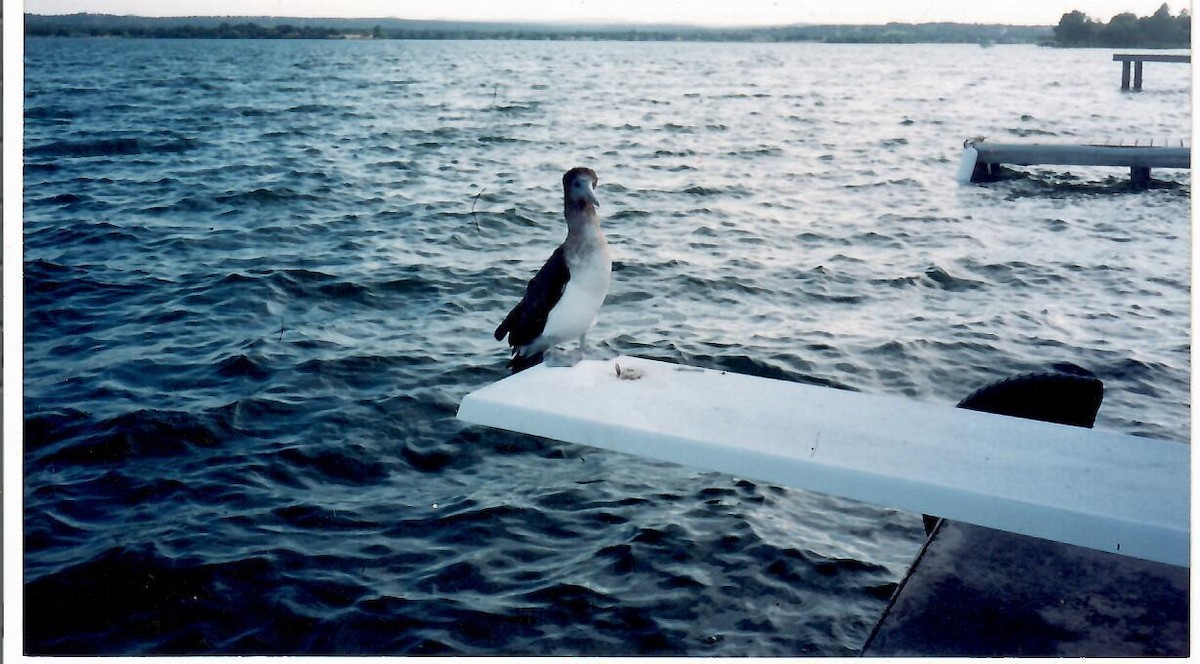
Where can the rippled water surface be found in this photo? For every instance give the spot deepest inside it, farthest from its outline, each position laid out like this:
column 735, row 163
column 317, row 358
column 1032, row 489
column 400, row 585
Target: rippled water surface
column 259, row 277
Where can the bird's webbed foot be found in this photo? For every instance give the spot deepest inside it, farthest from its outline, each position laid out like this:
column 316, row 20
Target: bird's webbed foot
column 563, row 358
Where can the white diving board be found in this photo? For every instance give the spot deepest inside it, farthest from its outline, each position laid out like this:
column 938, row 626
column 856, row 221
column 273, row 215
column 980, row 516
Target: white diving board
column 1107, row 491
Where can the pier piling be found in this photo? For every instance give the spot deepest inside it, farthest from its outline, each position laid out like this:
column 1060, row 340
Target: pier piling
column 1135, row 61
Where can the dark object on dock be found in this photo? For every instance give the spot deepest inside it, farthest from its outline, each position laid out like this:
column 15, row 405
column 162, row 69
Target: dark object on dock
column 975, row 591
column 1137, row 59
column 1138, row 155
column 1062, row 398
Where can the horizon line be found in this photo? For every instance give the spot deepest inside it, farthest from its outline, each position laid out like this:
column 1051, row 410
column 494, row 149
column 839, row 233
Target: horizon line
column 544, row 22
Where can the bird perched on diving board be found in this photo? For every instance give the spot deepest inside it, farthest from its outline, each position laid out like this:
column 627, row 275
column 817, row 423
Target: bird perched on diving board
column 563, row 298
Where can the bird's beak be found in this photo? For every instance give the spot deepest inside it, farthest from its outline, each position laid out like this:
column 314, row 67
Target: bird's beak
column 591, row 196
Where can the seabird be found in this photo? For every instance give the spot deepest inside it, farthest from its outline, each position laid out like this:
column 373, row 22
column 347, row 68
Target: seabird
column 563, row 298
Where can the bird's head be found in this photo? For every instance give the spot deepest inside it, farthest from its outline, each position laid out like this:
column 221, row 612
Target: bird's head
column 579, row 188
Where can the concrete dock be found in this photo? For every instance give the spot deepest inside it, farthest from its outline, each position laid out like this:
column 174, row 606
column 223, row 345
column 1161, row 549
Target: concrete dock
column 978, row 592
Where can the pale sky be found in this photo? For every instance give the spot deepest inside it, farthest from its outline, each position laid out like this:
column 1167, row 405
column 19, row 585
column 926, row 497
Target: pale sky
column 697, row 12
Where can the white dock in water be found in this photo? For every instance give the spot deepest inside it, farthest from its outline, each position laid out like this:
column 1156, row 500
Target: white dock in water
column 981, row 160
column 1106, row 491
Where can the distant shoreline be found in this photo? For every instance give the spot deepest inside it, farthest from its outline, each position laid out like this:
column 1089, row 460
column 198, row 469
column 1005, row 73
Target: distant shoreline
column 204, row 27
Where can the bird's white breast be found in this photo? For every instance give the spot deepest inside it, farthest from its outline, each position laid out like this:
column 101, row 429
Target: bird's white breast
column 591, row 269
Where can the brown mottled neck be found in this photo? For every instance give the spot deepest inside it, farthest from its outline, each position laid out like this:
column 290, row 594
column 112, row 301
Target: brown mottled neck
column 580, row 215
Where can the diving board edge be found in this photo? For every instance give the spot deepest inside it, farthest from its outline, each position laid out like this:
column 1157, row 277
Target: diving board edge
column 742, row 425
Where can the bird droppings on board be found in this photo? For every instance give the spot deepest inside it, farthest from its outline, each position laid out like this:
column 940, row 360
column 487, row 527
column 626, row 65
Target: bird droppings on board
column 628, row 373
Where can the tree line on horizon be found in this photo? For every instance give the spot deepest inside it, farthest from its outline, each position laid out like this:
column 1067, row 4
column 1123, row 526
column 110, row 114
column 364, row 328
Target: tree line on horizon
column 206, row 27
column 1075, row 29
column 223, row 31
column 1159, row 30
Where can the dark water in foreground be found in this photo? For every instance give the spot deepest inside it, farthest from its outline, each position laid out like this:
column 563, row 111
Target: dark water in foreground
column 259, row 276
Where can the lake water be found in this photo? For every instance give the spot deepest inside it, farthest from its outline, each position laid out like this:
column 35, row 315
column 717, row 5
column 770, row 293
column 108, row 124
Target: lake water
column 259, row 277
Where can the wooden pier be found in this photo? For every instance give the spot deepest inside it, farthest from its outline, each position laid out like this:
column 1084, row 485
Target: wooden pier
column 982, row 160
column 1136, row 60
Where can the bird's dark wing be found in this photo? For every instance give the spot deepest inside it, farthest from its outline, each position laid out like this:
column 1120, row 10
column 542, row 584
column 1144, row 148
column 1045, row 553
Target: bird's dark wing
column 527, row 320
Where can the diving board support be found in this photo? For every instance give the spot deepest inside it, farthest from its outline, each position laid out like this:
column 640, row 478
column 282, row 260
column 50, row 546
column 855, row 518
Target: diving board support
column 1106, row 491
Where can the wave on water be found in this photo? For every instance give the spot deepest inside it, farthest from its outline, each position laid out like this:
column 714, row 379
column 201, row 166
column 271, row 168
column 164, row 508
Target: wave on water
column 112, row 147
